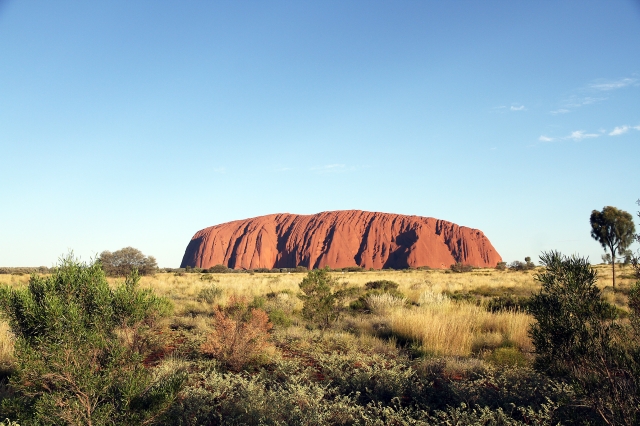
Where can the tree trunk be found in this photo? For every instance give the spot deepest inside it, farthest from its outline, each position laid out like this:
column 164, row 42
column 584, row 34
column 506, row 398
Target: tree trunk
column 613, row 265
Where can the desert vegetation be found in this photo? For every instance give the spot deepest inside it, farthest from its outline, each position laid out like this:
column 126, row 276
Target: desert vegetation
column 315, row 347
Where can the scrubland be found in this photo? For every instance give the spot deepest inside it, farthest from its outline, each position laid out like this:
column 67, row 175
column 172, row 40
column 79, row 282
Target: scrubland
column 442, row 348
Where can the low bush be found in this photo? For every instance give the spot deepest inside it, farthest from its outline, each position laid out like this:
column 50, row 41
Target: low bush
column 459, row 267
column 240, row 335
column 508, row 303
column 507, row 357
column 218, row 269
column 382, row 285
column 209, row 294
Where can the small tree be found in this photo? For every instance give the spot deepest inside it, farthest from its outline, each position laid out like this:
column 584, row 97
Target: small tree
column 614, row 230
column 122, row 262
column 321, row 300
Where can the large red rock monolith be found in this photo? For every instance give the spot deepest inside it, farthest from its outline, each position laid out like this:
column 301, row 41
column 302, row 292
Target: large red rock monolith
column 339, row 239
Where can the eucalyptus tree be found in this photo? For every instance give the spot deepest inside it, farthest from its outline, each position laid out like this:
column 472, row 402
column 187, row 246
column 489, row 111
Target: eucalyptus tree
column 614, row 230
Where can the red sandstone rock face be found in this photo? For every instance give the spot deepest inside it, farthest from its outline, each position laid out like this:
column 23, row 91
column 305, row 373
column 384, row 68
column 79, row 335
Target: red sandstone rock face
column 339, row 239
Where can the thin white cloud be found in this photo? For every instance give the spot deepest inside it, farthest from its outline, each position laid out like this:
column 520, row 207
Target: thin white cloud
column 620, row 130
column 329, row 168
column 636, row 127
column 544, row 138
column 517, row 108
column 578, row 101
column 578, row 135
column 604, row 86
column 560, row 111
column 219, row 170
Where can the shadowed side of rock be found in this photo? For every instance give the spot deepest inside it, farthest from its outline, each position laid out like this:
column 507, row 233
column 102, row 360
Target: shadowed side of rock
column 339, row 239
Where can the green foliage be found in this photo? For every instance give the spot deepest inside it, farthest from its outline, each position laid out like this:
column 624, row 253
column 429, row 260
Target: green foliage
column 279, row 318
column 509, row 303
column 218, row 269
column 80, row 348
column 382, row 285
column 576, row 338
column 614, row 230
column 209, row 294
column 507, row 357
column 460, row 267
column 356, row 388
column 569, row 312
column 322, row 297
column 320, row 301
column 527, row 265
column 122, row 262
column 362, row 304
column 501, row 266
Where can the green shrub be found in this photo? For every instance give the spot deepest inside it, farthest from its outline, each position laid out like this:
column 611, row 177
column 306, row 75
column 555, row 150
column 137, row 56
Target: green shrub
column 209, row 294
column 459, row 267
column 375, row 288
column 508, row 303
column 320, row 302
column 280, row 318
column 218, row 269
column 122, row 262
column 507, row 357
column 80, row 347
column 382, row 285
column 577, row 338
column 501, row 266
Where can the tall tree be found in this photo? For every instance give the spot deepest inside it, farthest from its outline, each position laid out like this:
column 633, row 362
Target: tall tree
column 614, row 230
column 122, row 262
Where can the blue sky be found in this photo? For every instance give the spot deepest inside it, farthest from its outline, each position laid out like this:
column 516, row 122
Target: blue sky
column 138, row 123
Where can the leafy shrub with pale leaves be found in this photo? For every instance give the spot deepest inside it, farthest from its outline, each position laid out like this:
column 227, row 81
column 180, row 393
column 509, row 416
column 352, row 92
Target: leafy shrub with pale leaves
column 72, row 364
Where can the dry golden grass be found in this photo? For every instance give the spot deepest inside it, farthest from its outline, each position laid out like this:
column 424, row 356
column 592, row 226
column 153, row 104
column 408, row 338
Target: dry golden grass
column 461, row 329
column 6, row 346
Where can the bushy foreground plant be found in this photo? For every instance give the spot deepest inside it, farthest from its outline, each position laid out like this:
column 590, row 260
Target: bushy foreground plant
column 80, row 347
column 379, row 294
column 577, row 338
column 321, row 297
column 240, row 335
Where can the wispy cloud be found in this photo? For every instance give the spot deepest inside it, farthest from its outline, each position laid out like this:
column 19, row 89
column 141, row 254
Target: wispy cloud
column 219, row 170
column 594, row 92
column 607, row 85
column 620, row 130
column 517, row 108
column 578, row 135
column 329, row 168
column 544, row 138
column 578, row 101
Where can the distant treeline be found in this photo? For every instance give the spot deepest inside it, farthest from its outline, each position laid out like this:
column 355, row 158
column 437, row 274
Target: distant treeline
column 25, row 270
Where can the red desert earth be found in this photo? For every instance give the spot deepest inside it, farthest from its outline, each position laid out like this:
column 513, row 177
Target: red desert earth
column 339, row 239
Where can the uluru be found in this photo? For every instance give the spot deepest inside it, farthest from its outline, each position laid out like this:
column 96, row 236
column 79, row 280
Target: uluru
column 339, row 239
